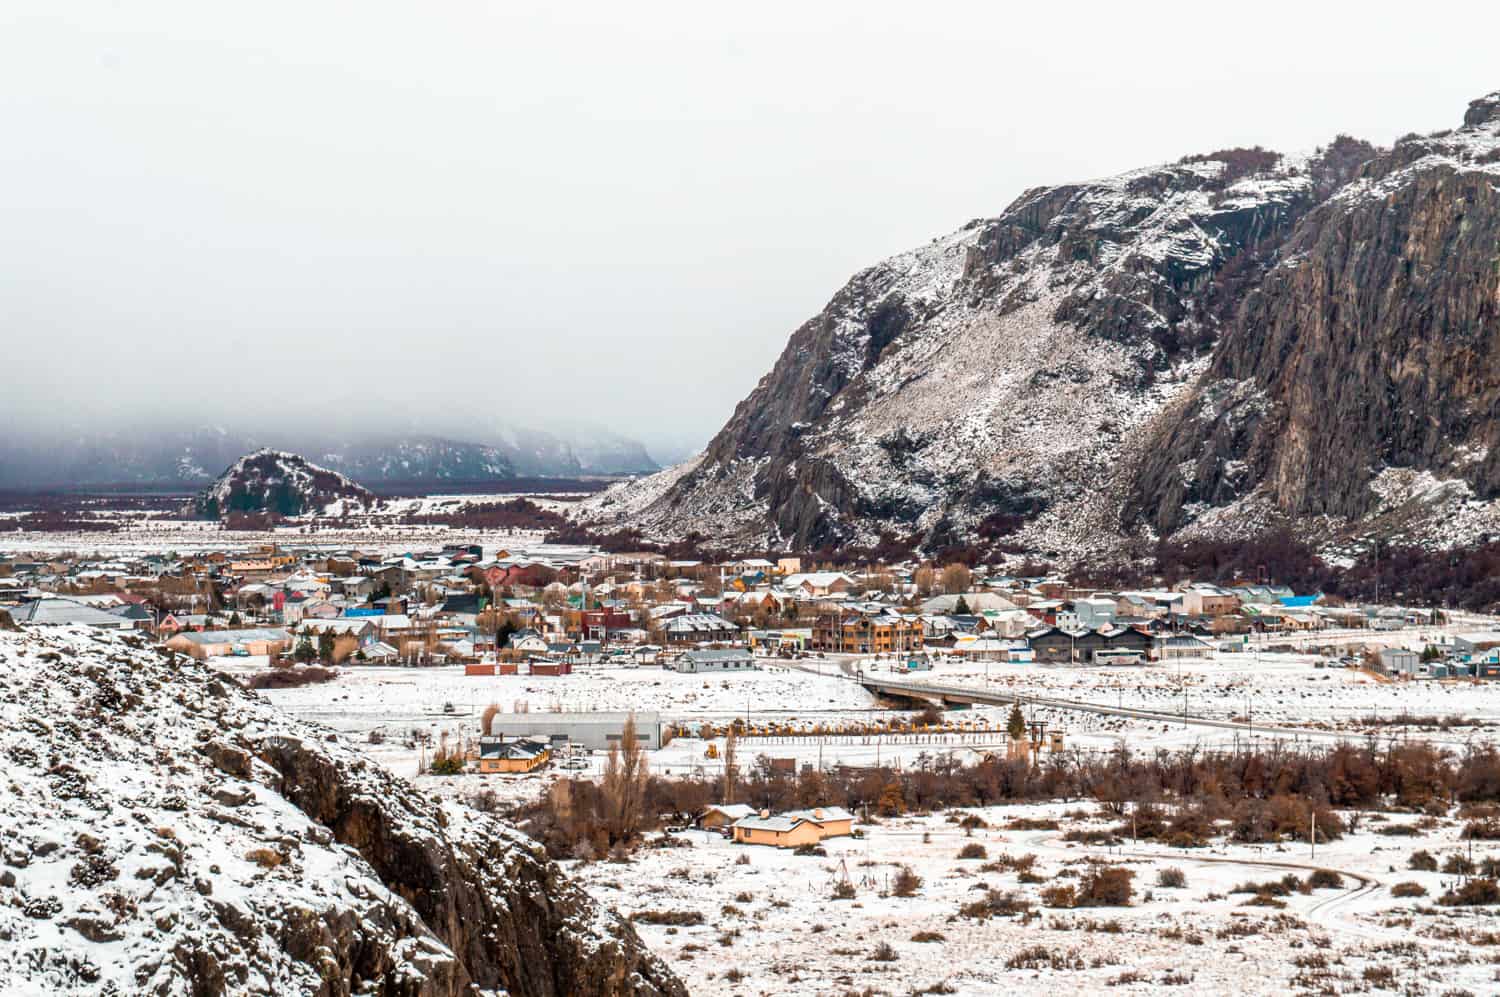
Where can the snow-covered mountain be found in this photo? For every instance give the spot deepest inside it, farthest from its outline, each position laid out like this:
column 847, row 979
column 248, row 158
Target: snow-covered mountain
column 165, row 832
column 1093, row 364
column 282, row 484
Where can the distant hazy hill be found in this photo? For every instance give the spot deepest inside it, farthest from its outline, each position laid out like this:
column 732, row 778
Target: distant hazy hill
column 191, row 456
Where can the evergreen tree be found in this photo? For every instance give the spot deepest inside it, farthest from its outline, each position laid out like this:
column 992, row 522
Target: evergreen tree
column 961, row 607
column 305, row 651
column 325, row 646
column 1016, row 725
column 234, row 619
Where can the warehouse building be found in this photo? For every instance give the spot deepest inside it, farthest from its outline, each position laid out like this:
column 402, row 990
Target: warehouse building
column 596, row 731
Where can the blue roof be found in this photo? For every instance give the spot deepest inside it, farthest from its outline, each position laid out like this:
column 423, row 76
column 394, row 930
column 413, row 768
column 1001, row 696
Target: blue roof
column 1299, row 601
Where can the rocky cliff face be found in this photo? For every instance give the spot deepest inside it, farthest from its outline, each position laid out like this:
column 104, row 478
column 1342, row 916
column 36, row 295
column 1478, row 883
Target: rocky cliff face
column 1134, row 356
column 165, row 832
column 282, row 484
column 1355, row 383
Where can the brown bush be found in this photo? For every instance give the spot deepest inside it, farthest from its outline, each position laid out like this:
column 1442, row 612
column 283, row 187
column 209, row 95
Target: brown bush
column 1059, row 896
column 1106, row 886
column 1408, row 889
column 973, row 850
column 291, row 678
column 1422, row 861
column 906, row 882
column 1474, row 893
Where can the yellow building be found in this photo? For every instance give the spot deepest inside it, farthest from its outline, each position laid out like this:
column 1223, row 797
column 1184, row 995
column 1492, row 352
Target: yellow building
column 779, row 831
column 509, row 757
column 831, row 822
column 724, row 814
column 793, row 828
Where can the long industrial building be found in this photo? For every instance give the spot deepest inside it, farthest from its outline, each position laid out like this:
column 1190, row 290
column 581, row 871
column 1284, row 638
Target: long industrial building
column 591, row 730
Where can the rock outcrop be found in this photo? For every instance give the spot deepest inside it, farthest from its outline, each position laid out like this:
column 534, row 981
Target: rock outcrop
column 1227, row 342
column 166, row 832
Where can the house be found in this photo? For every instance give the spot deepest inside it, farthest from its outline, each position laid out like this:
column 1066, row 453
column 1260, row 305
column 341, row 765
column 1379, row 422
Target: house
column 818, row 583
column 831, row 822
column 1094, row 613
column 219, row 643
column 715, row 661
column 778, row 831
column 496, row 755
column 362, row 628
column 464, row 608
column 724, row 814
column 793, row 828
column 1202, row 599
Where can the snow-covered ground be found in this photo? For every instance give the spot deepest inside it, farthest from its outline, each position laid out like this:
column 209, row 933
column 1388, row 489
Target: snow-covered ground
column 773, row 920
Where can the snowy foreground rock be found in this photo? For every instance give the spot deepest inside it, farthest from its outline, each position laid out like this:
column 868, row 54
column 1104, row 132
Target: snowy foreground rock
column 164, row 831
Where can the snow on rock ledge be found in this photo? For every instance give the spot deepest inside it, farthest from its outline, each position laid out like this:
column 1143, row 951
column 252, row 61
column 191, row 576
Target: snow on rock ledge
column 163, row 831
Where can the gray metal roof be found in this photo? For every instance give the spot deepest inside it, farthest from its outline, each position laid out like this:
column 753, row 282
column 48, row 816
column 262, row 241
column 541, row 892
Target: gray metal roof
column 234, row 636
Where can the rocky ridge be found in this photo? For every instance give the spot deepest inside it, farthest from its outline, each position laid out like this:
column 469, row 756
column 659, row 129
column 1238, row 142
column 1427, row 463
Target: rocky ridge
column 1110, row 362
column 166, row 832
column 281, row 484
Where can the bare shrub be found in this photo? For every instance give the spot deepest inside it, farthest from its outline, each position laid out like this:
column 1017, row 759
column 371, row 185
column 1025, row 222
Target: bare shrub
column 906, row 882
column 973, row 850
column 1171, row 878
column 995, row 904
column 1041, row 957
column 673, row 917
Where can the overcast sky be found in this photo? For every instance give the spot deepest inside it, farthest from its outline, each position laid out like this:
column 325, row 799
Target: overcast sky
column 605, row 213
